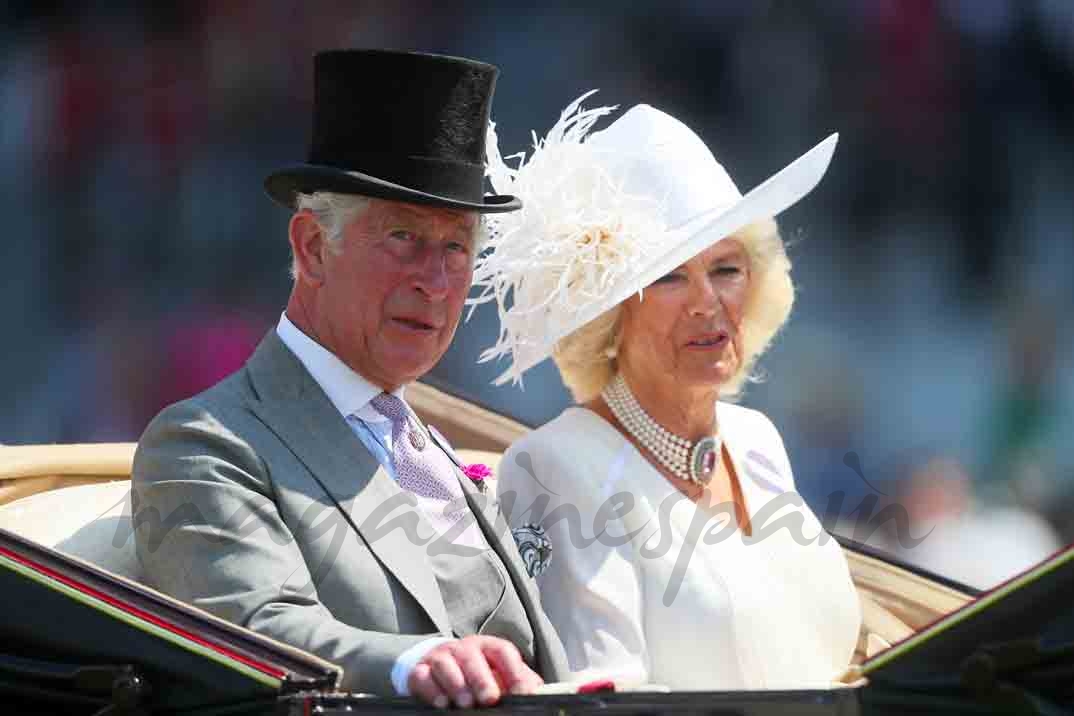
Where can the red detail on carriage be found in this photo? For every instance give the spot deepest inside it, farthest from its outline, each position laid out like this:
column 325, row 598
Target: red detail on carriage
column 144, row 615
column 596, row 687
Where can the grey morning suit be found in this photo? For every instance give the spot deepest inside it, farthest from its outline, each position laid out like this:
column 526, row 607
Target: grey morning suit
column 255, row 501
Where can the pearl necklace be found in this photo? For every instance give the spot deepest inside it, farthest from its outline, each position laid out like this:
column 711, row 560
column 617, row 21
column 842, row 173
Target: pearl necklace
column 693, row 462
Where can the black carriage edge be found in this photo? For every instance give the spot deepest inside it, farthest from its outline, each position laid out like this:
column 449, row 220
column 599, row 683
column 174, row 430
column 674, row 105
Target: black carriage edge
column 75, row 638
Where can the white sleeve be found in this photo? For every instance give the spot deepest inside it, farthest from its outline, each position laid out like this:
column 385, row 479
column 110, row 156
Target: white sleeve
column 590, row 589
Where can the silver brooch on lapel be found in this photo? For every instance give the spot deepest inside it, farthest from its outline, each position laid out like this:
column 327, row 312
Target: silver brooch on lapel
column 534, row 547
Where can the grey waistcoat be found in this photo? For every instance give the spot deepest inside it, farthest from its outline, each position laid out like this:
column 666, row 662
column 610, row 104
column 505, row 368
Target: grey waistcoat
column 478, row 601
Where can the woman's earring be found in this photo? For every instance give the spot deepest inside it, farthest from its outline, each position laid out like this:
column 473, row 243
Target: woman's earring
column 611, row 352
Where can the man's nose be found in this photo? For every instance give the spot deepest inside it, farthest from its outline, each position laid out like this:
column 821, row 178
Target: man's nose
column 431, row 276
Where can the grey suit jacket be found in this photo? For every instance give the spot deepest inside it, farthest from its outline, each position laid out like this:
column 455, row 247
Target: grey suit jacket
column 255, row 501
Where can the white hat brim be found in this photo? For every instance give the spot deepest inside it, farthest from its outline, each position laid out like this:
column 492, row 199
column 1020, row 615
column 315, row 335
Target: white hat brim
column 768, row 199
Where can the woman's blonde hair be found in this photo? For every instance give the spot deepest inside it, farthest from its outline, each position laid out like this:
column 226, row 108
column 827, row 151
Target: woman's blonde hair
column 587, row 357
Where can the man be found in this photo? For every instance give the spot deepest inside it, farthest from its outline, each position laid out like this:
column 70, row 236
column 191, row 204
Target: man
column 301, row 497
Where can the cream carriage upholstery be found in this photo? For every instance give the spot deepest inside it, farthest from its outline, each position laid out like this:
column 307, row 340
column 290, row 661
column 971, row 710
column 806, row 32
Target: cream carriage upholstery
column 76, row 499
column 91, row 522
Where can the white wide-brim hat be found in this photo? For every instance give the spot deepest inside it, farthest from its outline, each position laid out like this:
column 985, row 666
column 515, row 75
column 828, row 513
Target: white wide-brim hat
column 606, row 214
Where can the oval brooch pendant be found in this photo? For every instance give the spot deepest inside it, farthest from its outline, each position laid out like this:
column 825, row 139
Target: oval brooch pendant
column 703, row 460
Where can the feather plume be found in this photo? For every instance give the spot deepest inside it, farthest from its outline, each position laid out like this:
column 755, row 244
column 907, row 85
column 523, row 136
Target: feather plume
column 577, row 234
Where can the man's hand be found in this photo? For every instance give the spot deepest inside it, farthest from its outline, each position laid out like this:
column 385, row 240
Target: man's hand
column 473, row 670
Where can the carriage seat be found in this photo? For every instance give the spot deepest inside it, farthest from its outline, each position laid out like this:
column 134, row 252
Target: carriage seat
column 76, row 499
column 72, row 498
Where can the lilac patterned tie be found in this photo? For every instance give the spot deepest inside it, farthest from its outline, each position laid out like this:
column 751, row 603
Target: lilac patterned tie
column 421, row 467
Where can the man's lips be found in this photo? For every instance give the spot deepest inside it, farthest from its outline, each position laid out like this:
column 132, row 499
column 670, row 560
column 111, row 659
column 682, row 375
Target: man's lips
column 414, row 323
column 707, row 341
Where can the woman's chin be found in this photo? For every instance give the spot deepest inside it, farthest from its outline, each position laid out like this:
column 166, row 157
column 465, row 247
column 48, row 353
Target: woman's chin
column 709, row 374
column 710, row 377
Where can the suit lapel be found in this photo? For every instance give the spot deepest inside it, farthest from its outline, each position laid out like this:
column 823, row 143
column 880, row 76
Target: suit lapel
column 294, row 407
column 551, row 660
column 493, row 524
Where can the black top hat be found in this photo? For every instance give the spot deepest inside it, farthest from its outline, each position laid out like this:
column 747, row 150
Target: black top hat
column 397, row 125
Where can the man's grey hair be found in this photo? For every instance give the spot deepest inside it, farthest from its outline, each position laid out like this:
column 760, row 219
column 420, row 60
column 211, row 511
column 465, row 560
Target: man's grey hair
column 335, row 212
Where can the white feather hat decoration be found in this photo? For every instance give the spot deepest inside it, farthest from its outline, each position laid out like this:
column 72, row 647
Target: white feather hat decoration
column 606, row 214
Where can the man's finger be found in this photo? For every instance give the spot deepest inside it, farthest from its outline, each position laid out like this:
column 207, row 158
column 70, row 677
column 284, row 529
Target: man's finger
column 424, row 687
column 483, row 685
column 514, row 674
column 446, row 669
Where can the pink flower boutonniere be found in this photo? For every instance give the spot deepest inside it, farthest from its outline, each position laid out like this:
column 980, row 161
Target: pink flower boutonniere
column 477, row 473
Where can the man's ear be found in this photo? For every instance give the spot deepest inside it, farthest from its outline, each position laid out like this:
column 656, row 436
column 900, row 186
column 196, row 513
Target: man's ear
column 308, row 246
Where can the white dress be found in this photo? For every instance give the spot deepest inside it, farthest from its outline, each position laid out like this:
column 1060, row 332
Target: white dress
column 644, row 587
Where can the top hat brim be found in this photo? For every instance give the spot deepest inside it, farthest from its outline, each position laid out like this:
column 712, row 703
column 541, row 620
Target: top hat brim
column 284, row 185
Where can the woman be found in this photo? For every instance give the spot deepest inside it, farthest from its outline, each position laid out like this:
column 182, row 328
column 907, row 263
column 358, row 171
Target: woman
column 681, row 554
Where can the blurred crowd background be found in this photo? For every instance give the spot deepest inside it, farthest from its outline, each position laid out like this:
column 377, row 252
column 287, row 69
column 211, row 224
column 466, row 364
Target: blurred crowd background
column 928, row 364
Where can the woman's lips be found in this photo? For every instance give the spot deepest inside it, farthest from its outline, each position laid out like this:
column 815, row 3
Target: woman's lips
column 708, row 341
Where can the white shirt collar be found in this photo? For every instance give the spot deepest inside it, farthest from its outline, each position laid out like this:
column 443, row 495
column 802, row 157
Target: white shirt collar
column 346, row 389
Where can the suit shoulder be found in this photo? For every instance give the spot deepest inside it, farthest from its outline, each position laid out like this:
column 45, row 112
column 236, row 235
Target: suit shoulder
column 753, row 436
column 551, row 450
column 212, row 425
column 559, row 435
column 210, row 409
column 564, row 457
column 746, row 424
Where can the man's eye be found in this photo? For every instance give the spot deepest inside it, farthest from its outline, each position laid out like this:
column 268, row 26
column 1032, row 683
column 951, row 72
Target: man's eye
column 668, row 278
column 402, row 235
column 458, row 247
column 727, row 270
